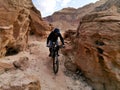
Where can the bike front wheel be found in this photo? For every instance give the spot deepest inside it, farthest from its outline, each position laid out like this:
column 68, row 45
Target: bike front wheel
column 55, row 64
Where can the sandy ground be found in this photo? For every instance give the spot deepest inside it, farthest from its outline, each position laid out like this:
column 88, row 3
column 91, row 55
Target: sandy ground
column 40, row 66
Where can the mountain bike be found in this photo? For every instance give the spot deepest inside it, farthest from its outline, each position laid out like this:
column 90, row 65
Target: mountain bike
column 54, row 55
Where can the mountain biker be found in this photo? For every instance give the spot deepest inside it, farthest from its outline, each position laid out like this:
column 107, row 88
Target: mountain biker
column 53, row 37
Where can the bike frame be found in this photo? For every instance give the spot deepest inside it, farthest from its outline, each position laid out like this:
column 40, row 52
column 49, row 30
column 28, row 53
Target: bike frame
column 54, row 50
column 54, row 53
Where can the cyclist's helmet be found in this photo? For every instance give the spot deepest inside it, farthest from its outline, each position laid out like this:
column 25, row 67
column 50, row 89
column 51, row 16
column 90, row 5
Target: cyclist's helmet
column 56, row 30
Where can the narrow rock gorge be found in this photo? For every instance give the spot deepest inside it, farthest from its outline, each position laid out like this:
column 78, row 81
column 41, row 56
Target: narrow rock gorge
column 91, row 53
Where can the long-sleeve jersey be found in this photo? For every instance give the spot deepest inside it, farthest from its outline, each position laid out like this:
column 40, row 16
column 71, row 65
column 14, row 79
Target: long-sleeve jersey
column 54, row 37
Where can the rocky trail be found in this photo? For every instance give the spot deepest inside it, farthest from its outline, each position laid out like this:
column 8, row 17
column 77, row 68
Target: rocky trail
column 39, row 66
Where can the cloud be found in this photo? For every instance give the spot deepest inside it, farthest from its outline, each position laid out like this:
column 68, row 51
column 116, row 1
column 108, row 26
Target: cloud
column 49, row 6
column 65, row 2
column 58, row 0
column 45, row 6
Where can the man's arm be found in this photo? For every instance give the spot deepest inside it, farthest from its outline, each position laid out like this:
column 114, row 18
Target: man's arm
column 47, row 40
column 49, row 37
column 61, row 38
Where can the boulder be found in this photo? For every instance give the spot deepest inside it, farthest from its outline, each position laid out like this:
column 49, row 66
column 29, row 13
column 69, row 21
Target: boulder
column 4, row 67
column 21, row 82
column 96, row 47
column 22, row 63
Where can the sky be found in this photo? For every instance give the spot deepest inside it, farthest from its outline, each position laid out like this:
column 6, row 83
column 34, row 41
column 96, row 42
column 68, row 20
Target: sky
column 48, row 7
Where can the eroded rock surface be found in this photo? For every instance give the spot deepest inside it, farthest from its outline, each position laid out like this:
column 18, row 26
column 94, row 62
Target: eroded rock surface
column 96, row 47
column 19, row 81
column 17, row 18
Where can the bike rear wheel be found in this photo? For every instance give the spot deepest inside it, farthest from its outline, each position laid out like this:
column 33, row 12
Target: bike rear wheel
column 55, row 64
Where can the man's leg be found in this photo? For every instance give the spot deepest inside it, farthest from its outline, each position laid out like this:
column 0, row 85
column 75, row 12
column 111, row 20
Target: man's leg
column 57, row 47
column 50, row 49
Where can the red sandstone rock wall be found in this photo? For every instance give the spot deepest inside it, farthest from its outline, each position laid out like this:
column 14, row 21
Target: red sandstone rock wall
column 96, row 47
column 17, row 18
